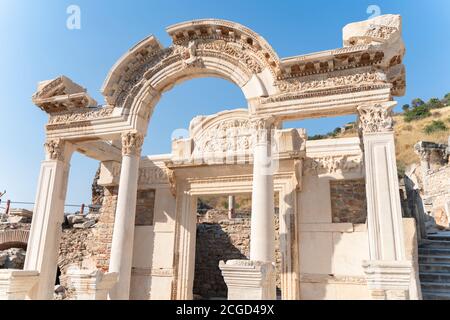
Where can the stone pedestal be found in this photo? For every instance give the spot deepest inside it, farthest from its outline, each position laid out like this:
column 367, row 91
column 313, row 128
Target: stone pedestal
column 388, row 280
column 91, row 284
column 16, row 284
column 249, row 280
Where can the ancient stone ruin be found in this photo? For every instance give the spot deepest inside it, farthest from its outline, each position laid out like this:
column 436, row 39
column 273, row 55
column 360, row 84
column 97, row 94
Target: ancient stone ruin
column 338, row 231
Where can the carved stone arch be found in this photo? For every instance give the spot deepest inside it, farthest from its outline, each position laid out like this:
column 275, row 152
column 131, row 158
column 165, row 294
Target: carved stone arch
column 200, row 48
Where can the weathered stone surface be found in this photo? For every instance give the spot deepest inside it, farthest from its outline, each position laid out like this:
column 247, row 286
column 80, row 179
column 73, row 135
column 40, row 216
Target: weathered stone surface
column 12, row 258
column 84, row 225
column 348, row 201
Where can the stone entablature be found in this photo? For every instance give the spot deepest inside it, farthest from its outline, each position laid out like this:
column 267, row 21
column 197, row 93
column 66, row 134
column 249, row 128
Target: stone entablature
column 331, row 156
column 369, row 67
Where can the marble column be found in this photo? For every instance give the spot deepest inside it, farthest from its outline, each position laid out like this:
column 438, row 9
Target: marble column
column 123, row 233
column 384, row 214
column 262, row 236
column 48, row 216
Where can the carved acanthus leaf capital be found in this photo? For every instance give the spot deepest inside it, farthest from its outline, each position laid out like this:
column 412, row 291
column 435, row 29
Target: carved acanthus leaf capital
column 54, row 149
column 262, row 129
column 132, row 143
column 375, row 117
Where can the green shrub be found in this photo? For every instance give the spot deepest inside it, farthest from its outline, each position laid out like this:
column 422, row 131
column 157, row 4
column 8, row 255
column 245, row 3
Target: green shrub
column 435, row 126
column 417, row 113
column 318, row 137
column 446, row 99
column 405, row 107
column 435, row 103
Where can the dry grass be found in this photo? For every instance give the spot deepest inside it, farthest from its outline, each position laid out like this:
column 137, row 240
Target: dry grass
column 408, row 134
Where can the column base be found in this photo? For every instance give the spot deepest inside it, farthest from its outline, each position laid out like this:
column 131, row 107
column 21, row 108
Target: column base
column 249, row 280
column 388, row 280
column 15, row 284
column 91, row 284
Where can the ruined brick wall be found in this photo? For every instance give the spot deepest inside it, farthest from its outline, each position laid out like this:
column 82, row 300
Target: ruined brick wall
column 219, row 238
column 348, row 201
column 103, row 231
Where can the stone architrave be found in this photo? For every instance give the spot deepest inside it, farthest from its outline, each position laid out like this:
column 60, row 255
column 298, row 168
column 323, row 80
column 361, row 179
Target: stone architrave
column 249, row 280
column 91, row 284
column 16, row 284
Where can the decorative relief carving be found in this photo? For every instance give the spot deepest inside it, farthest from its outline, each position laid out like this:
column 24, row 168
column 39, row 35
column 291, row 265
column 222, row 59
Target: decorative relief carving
column 69, row 117
column 333, row 164
column 190, row 58
column 132, row 143
column 262, row 129
column 55, row 149
column 375, row 118
column 331, row 82
column 226, row 136
column 153, row 175
column 380, row 31
column 322, row 93
column 238, row 52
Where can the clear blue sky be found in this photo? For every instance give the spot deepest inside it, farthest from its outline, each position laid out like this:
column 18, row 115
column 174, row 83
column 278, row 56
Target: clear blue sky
column 36, row 45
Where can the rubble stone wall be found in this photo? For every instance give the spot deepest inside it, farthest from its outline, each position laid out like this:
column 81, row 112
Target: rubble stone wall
column 437, row 193
column 348, row 201
column 219, row 238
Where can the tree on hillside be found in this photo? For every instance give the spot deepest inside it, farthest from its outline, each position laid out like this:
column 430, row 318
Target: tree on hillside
column 435, row 103
column 417, row 102
column 405, row 107
column 446, row 99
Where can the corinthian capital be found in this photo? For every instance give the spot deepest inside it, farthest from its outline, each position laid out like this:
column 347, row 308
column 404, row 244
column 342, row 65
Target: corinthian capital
column 376, row 117
column 132, row 143
column 54, row 149
column 262, row 128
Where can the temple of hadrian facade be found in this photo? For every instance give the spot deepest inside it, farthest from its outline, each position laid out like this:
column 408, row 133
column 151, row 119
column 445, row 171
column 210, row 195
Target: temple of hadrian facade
column 330, row 246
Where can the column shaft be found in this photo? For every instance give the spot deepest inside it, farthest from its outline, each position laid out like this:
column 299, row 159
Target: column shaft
column 48, row 216
column 262, row 236
column 123, row 233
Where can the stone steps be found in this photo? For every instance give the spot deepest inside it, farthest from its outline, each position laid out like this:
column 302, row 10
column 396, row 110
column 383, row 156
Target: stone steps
column 434, row 244
column 434, row 267
column 435, row 277
column 434, row 251
column 426, row 295
column 441, row 287
column 439, row 237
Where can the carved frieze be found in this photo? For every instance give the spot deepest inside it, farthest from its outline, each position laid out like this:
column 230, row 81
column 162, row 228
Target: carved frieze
column 319, row 83
column 70, row 119
column 333, row 164
column 153, row 175
column 227, row 136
